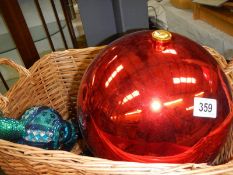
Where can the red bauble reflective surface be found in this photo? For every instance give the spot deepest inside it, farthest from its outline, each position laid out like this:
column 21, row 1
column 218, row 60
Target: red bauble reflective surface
column 136, row 101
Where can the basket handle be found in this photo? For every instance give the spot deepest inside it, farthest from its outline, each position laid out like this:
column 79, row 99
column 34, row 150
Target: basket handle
column 20, row 69
column 229, row 67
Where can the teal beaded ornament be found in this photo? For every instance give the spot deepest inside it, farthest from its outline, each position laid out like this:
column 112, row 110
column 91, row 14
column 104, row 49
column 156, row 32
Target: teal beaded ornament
column 39, row 126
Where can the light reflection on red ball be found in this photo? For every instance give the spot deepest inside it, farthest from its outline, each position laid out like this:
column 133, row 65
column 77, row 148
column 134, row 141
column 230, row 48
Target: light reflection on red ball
column 136, row 101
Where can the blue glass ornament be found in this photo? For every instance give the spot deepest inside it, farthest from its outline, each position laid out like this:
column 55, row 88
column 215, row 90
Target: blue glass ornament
column 40, row 126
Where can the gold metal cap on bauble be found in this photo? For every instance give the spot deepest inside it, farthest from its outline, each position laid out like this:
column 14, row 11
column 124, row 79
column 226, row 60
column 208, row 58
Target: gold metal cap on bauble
column 161, row 35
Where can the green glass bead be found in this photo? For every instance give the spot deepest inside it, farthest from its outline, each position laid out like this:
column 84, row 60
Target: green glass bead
column 11, row 129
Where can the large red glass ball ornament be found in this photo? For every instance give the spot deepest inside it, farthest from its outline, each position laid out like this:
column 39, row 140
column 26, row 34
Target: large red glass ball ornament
column 136, row 101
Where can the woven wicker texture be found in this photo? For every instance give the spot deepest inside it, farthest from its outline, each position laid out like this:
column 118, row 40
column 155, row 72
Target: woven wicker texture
column 53, row 81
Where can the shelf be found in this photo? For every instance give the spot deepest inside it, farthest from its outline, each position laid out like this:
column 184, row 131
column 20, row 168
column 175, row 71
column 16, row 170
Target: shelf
column 220, row 18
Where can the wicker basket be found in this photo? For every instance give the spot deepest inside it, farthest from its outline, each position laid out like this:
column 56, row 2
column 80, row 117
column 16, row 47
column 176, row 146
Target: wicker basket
column 53, row 81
